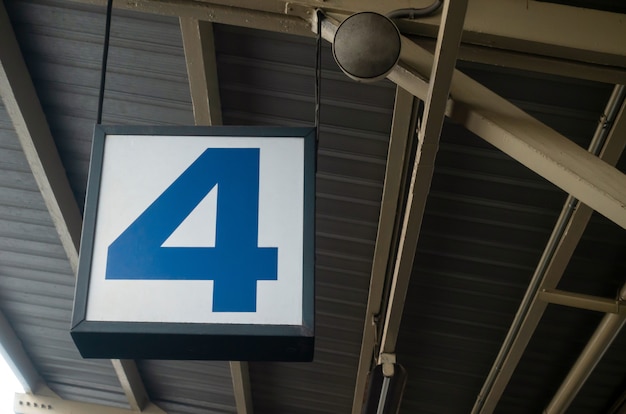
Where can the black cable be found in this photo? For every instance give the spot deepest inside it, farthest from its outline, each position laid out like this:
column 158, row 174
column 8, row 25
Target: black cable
column 105, row 55
column 414, row 13
column 318, row 75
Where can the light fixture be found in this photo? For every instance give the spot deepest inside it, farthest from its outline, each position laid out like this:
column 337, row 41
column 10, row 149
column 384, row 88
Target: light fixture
column 366, row 46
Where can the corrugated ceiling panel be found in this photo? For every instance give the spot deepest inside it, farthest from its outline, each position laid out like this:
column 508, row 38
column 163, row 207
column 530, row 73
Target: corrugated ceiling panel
column 268, row 79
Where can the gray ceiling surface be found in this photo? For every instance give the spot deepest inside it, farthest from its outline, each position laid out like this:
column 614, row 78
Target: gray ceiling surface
column 486, row 223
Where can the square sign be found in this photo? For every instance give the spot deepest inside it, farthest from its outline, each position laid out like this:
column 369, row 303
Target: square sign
column 198, row 243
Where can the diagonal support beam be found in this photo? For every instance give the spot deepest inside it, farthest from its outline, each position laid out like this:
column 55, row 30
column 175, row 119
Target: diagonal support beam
column 199, row 46
column 448, row 41
column 400, row 143
column 12, row 350
column 21, row 101
column 240, row 374
column 435, row 107
column 132, row 384
column 31, row 126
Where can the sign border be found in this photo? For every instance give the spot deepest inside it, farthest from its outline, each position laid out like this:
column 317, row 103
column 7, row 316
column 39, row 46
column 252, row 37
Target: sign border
column 159, row 340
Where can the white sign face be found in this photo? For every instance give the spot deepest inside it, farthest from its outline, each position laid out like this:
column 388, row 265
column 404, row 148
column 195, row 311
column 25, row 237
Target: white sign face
column 199, row 229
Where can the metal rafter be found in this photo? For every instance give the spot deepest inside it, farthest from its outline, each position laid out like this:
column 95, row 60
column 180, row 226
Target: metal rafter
column 22, row 104
column 490, row 55
column 400, row 142
column 13, row 352
column 199, row 48
column 133, row 387
column 534, row 27
column 423, row 167
column 29, row 121
column 436, row 101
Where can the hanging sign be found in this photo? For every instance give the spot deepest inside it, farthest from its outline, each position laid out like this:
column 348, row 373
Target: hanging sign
column 198, row 243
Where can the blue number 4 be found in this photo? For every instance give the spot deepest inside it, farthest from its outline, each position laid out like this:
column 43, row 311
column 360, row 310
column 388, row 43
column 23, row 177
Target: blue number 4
column 236, row 262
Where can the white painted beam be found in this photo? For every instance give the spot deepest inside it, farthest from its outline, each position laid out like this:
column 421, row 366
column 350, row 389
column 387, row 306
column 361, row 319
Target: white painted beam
column 448, row 41
column 435, row 107
column 258, row 15
column 21, row 101
column 240, row 374
column 131, row 382
column 541, row 28
column 533, row 63
column 534, row 27
column 401, row 140
column 22, row 104
column 13, row 352
column 37, row 404
column 199, row 46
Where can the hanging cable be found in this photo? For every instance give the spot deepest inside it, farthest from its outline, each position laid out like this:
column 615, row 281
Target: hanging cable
column 415, row 13
column 318, row 76
column 105, row 55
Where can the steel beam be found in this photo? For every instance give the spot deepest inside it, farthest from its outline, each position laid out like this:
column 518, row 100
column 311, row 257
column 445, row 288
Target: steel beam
column 13, row 352
column 131, row 382
column 538, row 28
column 256, row 16
column 240, row 374
column 401, row 140
column 582, row 301
column 22, row 104
column 436, row 101
column 532, row 62
column 37, row 404
column 199, row 46
column 567, row 233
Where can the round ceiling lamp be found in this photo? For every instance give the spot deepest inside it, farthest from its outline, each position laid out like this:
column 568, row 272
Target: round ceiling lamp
column 367, row 46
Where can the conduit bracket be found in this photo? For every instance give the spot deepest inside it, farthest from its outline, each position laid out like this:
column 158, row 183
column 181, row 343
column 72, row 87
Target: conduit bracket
column 387, row 361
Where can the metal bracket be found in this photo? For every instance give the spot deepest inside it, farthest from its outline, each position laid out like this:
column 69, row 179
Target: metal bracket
column 387, row 361
column 304, row 12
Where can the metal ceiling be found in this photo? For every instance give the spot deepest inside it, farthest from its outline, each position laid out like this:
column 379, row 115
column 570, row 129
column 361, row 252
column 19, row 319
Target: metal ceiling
column 486, row 222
